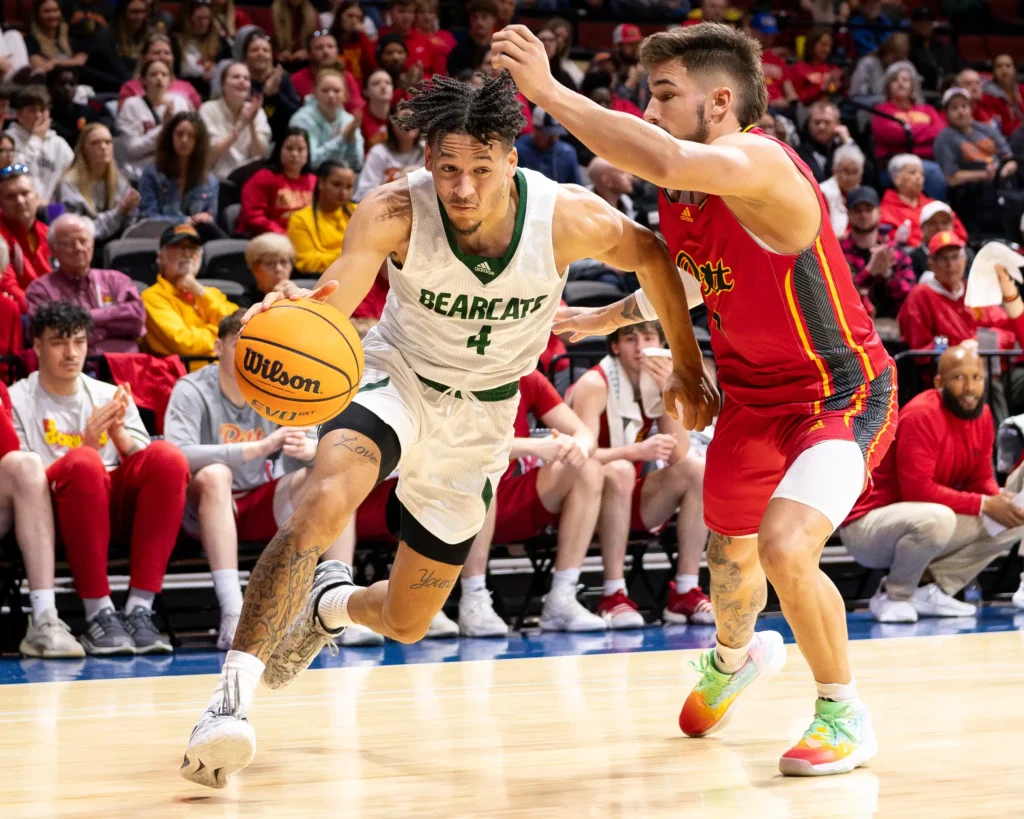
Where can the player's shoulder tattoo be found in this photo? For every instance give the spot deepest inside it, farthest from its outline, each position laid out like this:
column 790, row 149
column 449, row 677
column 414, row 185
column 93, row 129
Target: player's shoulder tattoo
column 392, row 202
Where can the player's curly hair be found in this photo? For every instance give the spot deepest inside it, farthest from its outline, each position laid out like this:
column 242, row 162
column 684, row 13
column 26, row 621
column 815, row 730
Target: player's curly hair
column 63, row 317
column 442, row 105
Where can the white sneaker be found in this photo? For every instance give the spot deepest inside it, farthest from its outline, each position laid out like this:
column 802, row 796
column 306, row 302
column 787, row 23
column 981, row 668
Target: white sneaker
column 220, row 745
column 563, row 612
column 886, row 610
column 477, row 617
column 50, row 637
column 228, row 626
column 931, row 601
column 1018, row 597
column 442, row 626
column 355, row 636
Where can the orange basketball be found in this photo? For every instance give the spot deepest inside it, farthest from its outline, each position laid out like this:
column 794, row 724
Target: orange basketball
column 299, row 363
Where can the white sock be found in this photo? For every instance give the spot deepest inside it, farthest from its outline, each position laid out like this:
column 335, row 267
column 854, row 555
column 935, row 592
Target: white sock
column 333, row 607
column 237, row 685
column 42, row 601
column 565, row 580
column 138, row 598
column 477, row 584
column 685, row 582
column 612, row 586
column 838, row 692
column 729, row 660
column 94, row 605
column 228, row 591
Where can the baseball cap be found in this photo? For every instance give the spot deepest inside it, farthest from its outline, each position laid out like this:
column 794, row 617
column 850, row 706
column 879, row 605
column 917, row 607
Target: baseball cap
column 626, row 33
column 929, row 210
column 953, row 92
column 945, row 238
column 765, row 23
column 179, row 233
column 547, row 123
column 858, row 196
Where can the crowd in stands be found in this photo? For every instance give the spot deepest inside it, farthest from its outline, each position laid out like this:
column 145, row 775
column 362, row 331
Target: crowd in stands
column 189, row 129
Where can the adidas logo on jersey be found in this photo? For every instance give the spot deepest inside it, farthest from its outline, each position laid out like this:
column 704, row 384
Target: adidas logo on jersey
column 684, row 216
column 483, row 267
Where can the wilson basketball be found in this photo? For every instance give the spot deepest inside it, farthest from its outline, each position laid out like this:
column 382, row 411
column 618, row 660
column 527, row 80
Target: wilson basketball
column 299, row 363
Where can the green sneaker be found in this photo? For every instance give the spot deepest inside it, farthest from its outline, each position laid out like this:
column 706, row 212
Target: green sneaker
column 839, row 739
column 709, row 705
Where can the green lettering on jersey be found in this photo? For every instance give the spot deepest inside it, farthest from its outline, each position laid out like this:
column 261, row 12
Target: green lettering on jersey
column 441, row 304
column 511, row 309
column 538, row 303
column 478, row 310
column 491, row 308
column 524, row 306
column 427, row 299
column 459, row 307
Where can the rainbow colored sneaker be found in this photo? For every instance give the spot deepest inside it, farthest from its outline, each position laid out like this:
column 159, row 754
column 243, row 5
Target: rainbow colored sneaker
column 709, row 705
column 840, row 739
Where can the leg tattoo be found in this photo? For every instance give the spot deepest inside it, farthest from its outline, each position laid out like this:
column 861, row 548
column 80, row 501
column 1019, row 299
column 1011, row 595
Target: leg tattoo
column 277, row 589
column 738, row 593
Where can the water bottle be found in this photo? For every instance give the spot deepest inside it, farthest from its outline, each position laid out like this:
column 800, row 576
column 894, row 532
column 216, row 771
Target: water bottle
column 972, row 594
column 941, row 344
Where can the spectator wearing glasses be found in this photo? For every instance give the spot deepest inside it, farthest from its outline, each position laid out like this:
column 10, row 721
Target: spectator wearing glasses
column 177, row 185
column 323, row 53
column 237, row 124
column 141, row 118
column 334, row 134
column 270, row 257
column 25, row 235
column 272, row 194
column 159, row 47
column 318, row 231
column 181, row 314
column 36, row 144
column 95, row 187
column 107, row 480
column 110, row 298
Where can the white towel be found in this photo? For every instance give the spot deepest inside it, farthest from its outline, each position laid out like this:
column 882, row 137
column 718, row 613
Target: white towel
column 983, row 282
column 625, row 416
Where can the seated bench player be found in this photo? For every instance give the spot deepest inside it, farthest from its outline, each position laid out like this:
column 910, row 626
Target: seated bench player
column 550, row 478
column 247, row 472
column 108, row 480
column 619, row 400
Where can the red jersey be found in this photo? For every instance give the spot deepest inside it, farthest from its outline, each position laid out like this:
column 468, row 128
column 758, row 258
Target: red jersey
column 789, row 331
column 776, row 73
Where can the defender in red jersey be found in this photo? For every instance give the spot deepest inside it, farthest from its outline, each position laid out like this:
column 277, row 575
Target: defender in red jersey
column 810, row 401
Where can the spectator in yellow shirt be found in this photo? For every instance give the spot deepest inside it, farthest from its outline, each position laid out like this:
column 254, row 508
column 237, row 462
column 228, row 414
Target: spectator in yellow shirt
column 181, row 314
column 317, row 231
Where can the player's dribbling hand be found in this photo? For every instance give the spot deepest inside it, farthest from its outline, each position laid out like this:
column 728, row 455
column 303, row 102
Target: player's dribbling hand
column 293, row 292
column 517, row 49
column 691, row 397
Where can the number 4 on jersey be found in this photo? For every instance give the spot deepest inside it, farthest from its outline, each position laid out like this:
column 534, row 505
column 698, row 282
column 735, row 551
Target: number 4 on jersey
column 482, row 340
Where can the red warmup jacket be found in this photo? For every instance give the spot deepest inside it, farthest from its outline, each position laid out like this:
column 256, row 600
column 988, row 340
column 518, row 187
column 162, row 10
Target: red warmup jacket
column 927, row 313
column 894, row 211
column 937, row 458
column 151, row 379
column 8, row 437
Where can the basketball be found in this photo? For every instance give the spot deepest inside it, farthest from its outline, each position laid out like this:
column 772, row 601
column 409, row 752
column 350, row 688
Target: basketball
column 299, row 363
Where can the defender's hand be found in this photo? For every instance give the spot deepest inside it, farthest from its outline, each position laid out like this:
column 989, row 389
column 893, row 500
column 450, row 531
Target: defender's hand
column 691, row 397
column 582, row 322
column 518, row 50
column 292, row 292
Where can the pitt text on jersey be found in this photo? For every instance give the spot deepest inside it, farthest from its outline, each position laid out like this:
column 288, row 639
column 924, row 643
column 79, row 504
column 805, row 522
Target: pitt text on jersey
column 714, row 279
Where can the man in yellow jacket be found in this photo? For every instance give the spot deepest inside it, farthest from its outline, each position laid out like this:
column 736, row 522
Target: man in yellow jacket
column 181, row 314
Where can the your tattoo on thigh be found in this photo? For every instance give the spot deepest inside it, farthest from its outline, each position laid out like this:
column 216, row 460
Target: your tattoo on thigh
column 429, row 581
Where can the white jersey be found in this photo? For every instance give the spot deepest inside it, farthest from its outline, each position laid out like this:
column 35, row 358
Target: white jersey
column 467, row 321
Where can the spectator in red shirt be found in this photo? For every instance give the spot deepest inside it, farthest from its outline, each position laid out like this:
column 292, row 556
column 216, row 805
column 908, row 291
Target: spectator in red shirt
column 902, row 204
column 357, row 51
column 985, row 107
column 275, row 192
column 402, row 16
column 550, row 479
column 1004, row 86
column 927, row 517
column 24, row 234
column 881, row 266
column 814, row 78
column 379, row 92
column 323, row 53
column 781, row 93
column 441, row 41
column 924, row 121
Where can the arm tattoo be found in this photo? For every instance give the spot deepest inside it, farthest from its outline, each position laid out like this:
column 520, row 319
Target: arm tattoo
column 737, row 599
column 348, row 440
column 630, row 310
column 393, row 203
column 277, row 588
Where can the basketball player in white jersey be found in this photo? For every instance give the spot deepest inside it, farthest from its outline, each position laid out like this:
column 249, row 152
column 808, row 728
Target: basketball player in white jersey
column 477, row 253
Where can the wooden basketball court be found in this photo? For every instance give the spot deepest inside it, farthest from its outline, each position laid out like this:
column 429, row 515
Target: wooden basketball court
column 568, row 736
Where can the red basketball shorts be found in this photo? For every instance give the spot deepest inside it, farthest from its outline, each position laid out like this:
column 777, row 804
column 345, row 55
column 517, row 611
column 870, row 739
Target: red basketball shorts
column 372, row 515
column 751, row 452
column 521, row 515
column 254, row 513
